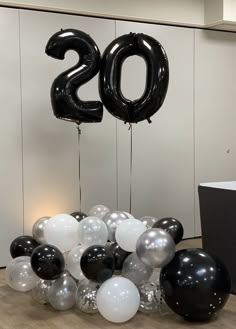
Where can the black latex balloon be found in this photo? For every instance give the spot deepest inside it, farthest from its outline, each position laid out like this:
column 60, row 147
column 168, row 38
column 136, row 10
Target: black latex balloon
column 65, row 101
column 157, row 77
column 97, row 263
column 172, row 226
column 47, row 262
column 78, row 215
column 195, row 285
column 119, row 255
column 23, row 246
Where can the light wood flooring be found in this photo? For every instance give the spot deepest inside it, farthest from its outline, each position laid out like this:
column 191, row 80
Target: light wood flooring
column 19, row 311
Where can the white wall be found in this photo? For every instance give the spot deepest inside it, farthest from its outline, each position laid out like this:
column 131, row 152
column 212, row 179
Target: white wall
column 191, row 139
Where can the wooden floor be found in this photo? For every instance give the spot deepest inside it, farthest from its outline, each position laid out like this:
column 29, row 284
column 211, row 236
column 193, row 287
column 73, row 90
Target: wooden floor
column 18, row 310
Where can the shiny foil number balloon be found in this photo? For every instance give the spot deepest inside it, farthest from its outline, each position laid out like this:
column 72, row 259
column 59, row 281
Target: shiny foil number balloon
column 157, row 78
column 65, row 101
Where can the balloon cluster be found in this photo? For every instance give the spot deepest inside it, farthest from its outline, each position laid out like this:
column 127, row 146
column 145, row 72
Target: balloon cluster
column 106, row 262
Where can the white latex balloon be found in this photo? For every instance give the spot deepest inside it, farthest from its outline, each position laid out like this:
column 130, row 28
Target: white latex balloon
column 98, row 211
column 92, row 231
column 19, row 274
column 128, row 232
column 62, row 231
column 73, row 262
column 118, row 300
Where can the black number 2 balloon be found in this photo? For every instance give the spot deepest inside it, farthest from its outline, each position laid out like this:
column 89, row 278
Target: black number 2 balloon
column 65, row 102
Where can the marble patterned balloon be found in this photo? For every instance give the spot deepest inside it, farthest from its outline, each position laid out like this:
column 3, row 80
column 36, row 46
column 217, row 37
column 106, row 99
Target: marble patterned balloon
column 86, row 294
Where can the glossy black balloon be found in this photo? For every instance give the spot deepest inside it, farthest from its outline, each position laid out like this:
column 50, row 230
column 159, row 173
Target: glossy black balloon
column 65, row 102
column 23, row 246
column 47, row 262
column 157, row 77
column 97, row 263
column 119, row 255
column 172, row 226
column 195, row 285
column 78, row 215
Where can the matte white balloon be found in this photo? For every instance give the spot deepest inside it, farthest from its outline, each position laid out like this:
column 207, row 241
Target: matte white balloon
column 19, row 274
column 135, row 270
column 92, row 231
column 73, row 262
column 98, row 211
column 118, row 300
column 112, row 219
column 61, row 294
column 128, row 232
column 38, row 229
column 62, row 231
column 155, row 247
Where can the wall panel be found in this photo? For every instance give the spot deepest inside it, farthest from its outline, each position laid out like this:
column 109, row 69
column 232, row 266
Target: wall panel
column 50, row 145
column 11, row 201
column 163, row 171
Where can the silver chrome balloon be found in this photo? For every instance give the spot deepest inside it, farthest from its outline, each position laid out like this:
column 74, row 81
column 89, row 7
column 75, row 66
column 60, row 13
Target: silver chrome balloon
column 40, row 291
column 112, row 219
column 148, row 221
column 150, row 297
column 86, row 294
column 38, row 229
column 61, row 294
column 155, row 247
column 135, row 270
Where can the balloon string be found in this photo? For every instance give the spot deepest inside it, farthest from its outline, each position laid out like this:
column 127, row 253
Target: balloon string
column 131, row 166
column 80, row 190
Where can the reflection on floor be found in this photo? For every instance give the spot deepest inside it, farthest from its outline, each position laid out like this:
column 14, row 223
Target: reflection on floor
column 19, row 311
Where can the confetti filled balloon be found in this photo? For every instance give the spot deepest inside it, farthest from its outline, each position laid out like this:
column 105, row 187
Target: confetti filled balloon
column 62, row 231
column 135, row 270
column 128, row 232
column 19, row 274
column 155, row 247
column 40, row 291
column 150, row 297
column 195, row 285
column 112, row 219
column 38, row 229
column 92, row 231
column 118, row 300
column 62, row 293
column 85, row 298
column 98, row 211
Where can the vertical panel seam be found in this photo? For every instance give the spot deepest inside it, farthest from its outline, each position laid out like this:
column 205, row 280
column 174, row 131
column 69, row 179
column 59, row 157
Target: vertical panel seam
column 194, row 134
column 117, row 167
column 21, row 110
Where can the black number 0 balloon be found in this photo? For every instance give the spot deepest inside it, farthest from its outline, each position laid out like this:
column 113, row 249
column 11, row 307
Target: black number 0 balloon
column 65, row 102
column 157, row 78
